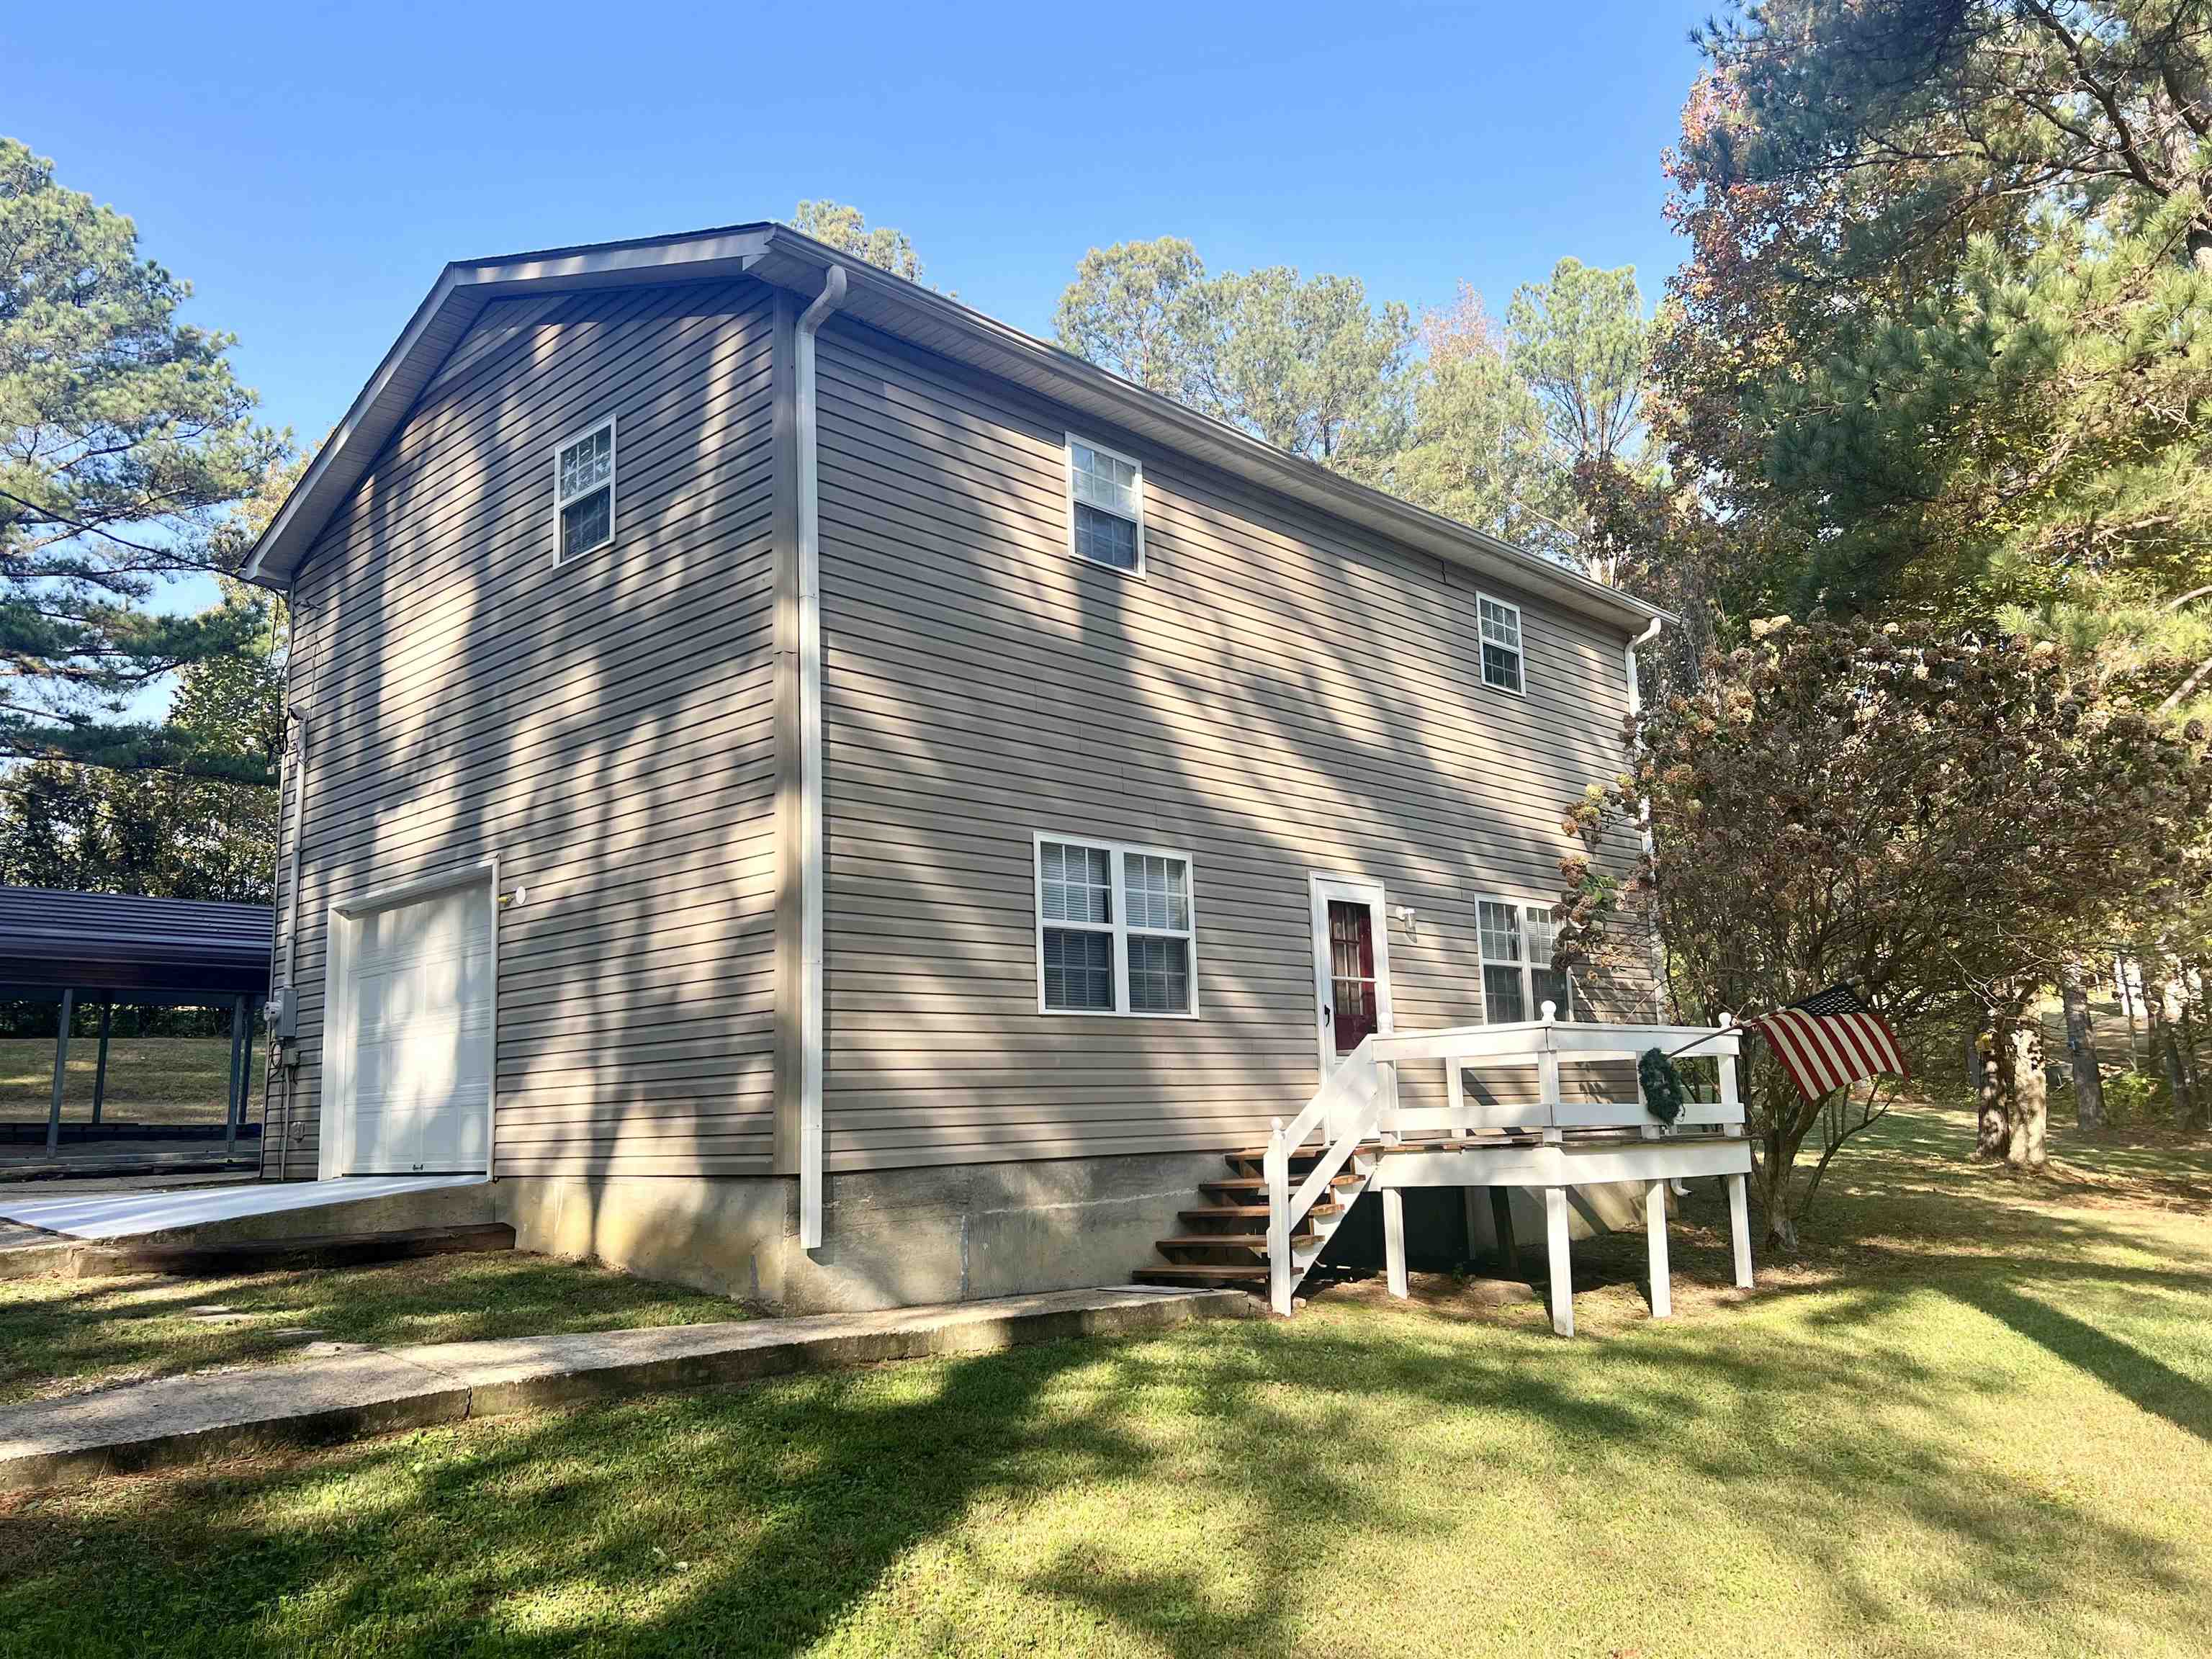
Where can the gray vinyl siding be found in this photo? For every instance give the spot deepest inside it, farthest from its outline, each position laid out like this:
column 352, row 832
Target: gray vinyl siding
column 604, row 727
column 1277, row 696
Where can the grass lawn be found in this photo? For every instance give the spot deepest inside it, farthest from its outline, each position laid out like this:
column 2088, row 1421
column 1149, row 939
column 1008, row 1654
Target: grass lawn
column 1974, row 1418
column 150, row 1079
column 62, row 1336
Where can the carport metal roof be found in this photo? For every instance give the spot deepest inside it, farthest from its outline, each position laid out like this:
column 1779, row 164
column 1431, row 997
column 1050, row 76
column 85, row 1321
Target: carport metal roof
column 138, row 949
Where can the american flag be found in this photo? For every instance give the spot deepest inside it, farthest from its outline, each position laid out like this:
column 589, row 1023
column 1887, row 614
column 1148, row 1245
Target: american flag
column 1830, row 1039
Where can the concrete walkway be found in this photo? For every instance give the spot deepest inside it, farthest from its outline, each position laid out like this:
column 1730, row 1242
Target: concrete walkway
column 125, row 1214
column 343, row 1393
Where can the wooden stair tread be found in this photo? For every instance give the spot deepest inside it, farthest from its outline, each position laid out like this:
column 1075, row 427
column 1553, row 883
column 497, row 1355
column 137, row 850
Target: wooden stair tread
column 1214, row 1240
column 1259, row 1184
column 1308, row 1154
column 1246, row 1212
column 1257, row 1273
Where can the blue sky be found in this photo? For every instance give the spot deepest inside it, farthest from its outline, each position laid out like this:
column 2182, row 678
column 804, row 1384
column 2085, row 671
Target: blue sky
column 309, row 168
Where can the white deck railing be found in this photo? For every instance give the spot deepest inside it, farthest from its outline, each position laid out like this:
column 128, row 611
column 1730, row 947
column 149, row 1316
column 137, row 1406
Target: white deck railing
column 1361, row 1102
column 1543, row 1045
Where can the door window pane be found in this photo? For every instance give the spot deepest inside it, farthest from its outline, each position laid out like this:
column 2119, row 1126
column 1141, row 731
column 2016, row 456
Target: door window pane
column 1352, row 1008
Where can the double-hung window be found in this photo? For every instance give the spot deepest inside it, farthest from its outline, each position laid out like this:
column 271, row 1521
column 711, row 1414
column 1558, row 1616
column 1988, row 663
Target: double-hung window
column 1105, row 507
column 1116, row 932
column 584, row 492
column 1501, row 644
column 1517, row 975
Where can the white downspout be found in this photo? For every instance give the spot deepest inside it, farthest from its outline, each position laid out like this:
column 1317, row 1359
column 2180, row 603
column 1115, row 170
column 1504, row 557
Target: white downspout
column 287, row 1054
column 810, row 778
column 1643, row 821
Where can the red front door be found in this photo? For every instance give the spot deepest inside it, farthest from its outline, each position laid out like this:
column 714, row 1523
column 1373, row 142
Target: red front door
column 1351, row 972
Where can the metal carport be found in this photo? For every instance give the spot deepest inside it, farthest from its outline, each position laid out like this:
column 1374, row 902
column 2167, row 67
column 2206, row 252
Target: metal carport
column 66, row 948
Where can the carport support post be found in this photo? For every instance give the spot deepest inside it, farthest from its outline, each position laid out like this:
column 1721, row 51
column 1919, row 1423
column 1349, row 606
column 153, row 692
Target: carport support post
column 61, row 1071
column 232, row 1100
column 100, row 1072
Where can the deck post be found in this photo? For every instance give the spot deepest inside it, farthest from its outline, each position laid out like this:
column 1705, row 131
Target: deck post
column 1276, row 1166
column 99, row 1072
column 1655, row 1233
column 61, row 1071
column 1555, row 1234
column 1740, row 1228
column 1501, row 1217
column 234, row 1097
column 1394, row 1241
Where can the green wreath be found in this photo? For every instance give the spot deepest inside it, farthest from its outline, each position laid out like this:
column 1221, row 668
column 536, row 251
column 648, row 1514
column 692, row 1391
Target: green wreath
column 1664, row 1093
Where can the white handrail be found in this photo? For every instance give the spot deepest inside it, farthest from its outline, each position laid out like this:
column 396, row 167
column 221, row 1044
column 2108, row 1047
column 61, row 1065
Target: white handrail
column 1347, row 1108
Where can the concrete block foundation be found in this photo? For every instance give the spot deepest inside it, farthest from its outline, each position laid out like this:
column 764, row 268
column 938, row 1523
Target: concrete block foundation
column 891, row 1238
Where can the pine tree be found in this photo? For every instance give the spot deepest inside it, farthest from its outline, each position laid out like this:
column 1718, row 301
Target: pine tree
column 125, row 442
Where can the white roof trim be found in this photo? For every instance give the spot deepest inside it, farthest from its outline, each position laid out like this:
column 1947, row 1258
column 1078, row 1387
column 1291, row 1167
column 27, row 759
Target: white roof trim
column 781, row 256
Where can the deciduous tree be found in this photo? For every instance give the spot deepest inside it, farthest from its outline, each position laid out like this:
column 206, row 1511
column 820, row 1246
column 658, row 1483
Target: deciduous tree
column 1910, row 808
column 1309, row 364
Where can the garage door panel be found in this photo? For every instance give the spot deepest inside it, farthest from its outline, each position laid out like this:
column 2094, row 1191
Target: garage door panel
column 421, row 1017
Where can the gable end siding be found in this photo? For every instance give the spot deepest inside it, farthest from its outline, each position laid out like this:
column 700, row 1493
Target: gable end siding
column 606, row 728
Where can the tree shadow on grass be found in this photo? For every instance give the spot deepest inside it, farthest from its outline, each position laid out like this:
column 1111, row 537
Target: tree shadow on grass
column 1268, row 1466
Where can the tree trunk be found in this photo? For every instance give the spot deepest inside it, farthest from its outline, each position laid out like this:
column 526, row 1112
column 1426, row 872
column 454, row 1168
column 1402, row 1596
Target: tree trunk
column 2028, row 1097
column 2081, row 1051
column 1787, row 1123
column 2185, row 1029
column 2162, row 1001
column 1993, row 1132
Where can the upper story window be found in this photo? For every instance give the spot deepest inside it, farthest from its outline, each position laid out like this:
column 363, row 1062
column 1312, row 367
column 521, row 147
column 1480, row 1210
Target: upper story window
column 1105, row 507
column 1115, row 929
column 1517, row 975
column 1501, row 644
column 584, row 491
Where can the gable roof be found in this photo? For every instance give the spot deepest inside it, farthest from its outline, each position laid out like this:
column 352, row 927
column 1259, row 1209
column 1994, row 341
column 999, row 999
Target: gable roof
column 777, row 255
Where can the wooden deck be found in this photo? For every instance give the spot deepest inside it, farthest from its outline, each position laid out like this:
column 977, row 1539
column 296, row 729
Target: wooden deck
column 1354, row 1136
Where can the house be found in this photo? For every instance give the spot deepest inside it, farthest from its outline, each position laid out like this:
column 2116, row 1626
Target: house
column 815, row 793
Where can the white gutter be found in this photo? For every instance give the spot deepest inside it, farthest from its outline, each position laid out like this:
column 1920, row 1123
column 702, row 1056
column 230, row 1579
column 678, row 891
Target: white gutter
column 1635, row 691
column 1644, row 818
column 810, row 779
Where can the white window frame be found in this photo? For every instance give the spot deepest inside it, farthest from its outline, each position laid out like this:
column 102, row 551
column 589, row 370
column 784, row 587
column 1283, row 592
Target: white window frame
column 561, row 555
column 1485, row 962
column 1067, row 484
column 1118, row 853
column 1520, row 651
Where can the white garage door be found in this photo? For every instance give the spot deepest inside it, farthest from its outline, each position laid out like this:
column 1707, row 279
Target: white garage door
column 419, row 1009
